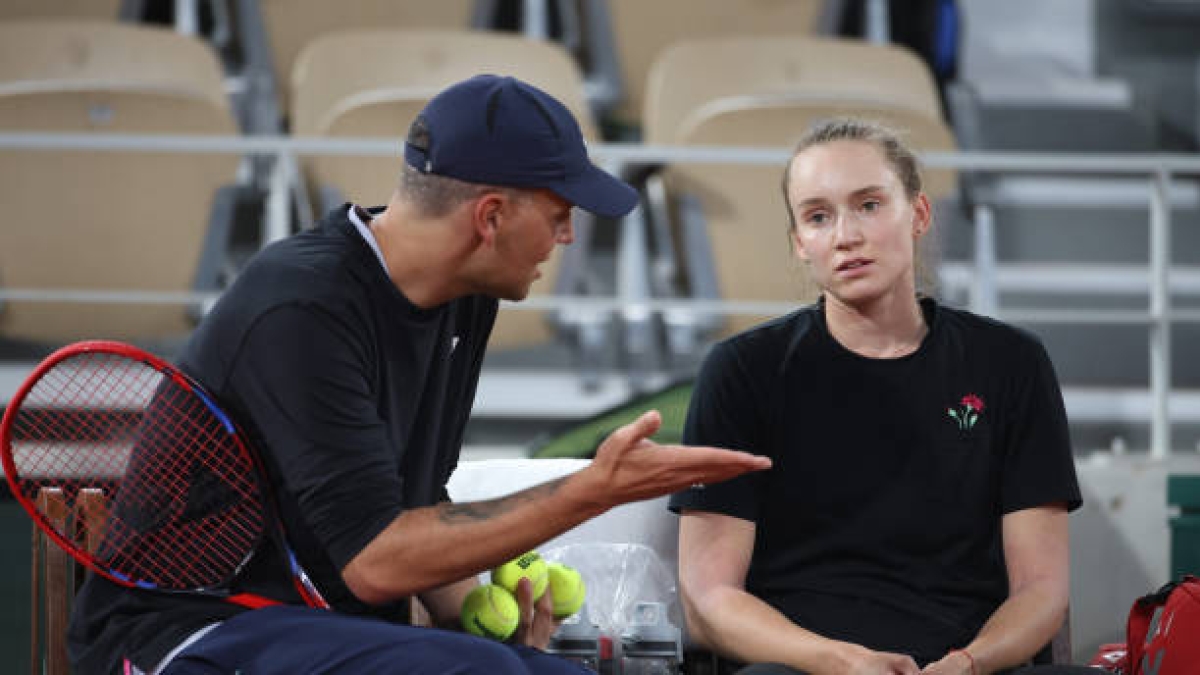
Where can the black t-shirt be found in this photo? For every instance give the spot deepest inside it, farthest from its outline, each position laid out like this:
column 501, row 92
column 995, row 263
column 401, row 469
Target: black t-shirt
column 879, row 522
column 357, row 401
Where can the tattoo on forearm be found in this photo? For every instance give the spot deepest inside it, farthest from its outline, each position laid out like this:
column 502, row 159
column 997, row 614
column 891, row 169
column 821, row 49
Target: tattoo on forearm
column 470, row 512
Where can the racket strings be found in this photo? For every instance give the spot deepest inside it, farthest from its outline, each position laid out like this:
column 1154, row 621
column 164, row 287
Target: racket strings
column 184, row 498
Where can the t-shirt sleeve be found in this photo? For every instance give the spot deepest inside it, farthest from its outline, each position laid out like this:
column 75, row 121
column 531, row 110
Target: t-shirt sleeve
column 1039, row 467
column 725, row 412
column 303, row 378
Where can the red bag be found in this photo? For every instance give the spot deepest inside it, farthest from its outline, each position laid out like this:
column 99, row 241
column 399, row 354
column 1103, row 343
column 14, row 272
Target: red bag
column 1163, row 633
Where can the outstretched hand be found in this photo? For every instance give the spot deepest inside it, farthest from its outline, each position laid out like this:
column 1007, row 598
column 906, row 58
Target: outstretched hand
column 631, row 467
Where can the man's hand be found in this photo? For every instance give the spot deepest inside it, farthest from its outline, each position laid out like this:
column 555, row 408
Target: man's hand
column 630, row 467
column 537, row 621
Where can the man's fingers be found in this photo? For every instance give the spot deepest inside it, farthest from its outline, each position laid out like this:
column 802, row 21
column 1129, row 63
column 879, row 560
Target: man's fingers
column 543, row 620
column 536, row 623
column 721, row 463
column 545, row 604
column 643, row 427
column 524, row 595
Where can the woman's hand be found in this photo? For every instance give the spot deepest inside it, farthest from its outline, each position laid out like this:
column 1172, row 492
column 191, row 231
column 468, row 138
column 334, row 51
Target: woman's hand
column 858, row 660
column 956, row 662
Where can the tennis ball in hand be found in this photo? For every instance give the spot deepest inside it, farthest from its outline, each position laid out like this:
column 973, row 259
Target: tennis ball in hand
column 567, row 589
column 491, row 612
column 529, row 566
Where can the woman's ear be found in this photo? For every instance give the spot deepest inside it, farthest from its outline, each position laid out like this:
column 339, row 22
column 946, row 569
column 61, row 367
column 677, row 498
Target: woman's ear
column 922, row 215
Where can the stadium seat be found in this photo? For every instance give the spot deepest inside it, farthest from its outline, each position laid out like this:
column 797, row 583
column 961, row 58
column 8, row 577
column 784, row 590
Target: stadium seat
column 339, row 93
column 11, row 10
column 731, row 222
column 642, row 30
column 291, row 24
column 56, row 576
column 109, row 220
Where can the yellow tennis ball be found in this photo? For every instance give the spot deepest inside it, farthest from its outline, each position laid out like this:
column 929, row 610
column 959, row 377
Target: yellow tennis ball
column 490, row 611
column 567, row 589
column 529, row 566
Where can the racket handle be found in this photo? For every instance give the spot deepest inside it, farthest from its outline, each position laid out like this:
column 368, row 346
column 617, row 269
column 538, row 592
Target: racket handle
column 305, row 586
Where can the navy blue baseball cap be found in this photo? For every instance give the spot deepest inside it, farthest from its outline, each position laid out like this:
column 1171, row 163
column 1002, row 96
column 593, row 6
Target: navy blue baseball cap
column 501, row 131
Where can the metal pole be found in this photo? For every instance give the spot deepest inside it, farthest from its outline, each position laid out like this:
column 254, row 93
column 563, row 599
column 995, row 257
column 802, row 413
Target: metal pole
column 187, row 19
column 984, row 296
column 876, row 22
column 535, row 20
column 277, row 220
column 1160, row 312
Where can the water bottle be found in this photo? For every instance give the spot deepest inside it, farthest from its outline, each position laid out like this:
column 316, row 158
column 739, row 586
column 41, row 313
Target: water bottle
column 651, row 644
column 578, row 639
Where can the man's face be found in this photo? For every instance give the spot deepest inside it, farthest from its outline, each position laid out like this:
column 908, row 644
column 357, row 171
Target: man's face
column 534, row 222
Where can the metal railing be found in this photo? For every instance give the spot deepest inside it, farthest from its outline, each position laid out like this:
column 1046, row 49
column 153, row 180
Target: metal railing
column 1161, row 170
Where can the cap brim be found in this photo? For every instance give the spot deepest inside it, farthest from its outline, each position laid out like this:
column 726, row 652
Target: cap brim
column 598, row 192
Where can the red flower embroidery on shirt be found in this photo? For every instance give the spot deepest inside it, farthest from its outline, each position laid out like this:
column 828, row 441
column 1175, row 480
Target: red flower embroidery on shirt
column 973, row 401
column 972, row 406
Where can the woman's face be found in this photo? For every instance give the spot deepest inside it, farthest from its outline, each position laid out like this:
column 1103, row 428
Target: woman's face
column 854, row 224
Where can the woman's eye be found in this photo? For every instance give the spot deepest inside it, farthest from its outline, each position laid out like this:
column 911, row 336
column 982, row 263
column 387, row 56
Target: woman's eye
column 870, row 206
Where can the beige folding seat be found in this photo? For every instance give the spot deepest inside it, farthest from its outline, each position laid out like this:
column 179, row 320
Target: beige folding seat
column 766, row 92
column 372, row 83
column 11, row 10
column 107, row 220
column 291, row 24
column 642, row 29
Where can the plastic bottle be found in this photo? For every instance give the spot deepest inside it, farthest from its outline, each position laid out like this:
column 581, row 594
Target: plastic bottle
column 651, row 644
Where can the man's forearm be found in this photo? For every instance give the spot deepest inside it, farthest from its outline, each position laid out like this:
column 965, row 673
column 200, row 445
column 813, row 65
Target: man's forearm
column 433, row 546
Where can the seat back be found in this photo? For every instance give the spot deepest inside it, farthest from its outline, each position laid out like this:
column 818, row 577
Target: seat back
column 766, row 92
column 292, row 24
column 11, row 10
column 374, row 82
column 112, row 220
column 56, row 576
column 642, row 30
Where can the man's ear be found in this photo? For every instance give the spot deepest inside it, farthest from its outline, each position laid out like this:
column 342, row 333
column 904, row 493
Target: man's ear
column 487, row 214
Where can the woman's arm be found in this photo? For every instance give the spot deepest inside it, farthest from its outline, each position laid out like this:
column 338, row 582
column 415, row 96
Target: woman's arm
column 1036, row 552
column 714, row 556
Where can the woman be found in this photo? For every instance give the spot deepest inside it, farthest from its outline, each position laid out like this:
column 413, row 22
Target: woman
column 915, row 518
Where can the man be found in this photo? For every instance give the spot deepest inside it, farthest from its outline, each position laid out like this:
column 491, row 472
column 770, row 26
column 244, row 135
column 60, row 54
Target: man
column 351, row 354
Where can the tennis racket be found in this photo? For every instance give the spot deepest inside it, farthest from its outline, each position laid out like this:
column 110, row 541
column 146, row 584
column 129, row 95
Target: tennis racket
column 188, row 505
